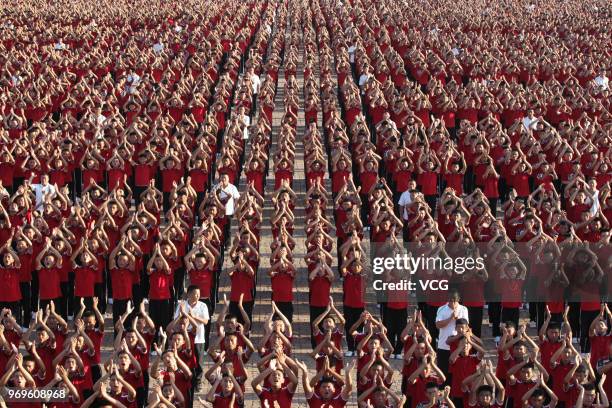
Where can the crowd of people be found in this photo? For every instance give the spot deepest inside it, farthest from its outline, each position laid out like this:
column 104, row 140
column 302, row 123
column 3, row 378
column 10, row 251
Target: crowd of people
column 443, row 128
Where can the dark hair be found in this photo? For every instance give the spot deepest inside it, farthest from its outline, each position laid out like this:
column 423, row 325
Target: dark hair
column 484, row 388
column 539, row 393
column 191, row 288
column 461, row 321
column 88, row 313
column 589, row 387
column 431, row 385
column 554, row 326
column 528, row 366
column 510, row 323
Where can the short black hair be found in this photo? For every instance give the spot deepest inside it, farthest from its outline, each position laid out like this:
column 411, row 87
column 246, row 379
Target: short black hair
column 191, row 288
column 431, row 385
column 484, row 388
column 461, row 321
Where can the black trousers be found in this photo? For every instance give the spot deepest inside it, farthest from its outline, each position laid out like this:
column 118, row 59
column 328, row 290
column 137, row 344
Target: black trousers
column 443, row 363
column 160, row 312
column 430, row 320
column 510, row 315
column 286, row 308
column 495, row 317
column 119, row 308
column 248, row 308
column 351, row 314
column 315, row 311
column 475, row 316
column 26, row 304
column 211, row 310
column 395, row 321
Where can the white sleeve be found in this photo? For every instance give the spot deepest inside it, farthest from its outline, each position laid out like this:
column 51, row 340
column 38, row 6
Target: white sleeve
column 465, row 314
column 403, row 200
column 205, row 314
column 440, row 314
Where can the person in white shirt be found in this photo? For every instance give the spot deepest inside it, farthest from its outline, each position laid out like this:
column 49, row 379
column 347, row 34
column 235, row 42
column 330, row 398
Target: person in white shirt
column 364, row 78
column 530, row 119
column 60, row 45
column 158, row 47
column 404, row 202
column 255, row 85
column 602, row 80
column 446, row 316
column 198, row 311
column 133, row 79
column 43, row 189
column 228, row 194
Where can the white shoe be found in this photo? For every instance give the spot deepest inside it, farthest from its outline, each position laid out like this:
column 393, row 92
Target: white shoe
column 110, row 301
column 497, row 339
column 348, row 354
column 575, row 340
column 398, row 357
column 70, row 318
column 532, row 325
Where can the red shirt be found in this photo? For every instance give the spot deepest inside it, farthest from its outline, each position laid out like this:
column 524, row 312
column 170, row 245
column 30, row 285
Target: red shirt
column 282, row 287
column 159, row 285
column 517, row 391
column 242, row 283
column 143, row 173
column 283, row 397
column 428, row 181
column 84, row 281
column 319, row 291
column 121, row 281
column 315, row 401
column 548, row 349
column 203, row 280
column 224, row 401
column 169, row 176
column 558, row 375
column 50, row 283
column 462, row 368
column 96, row 337
column 10, row 285
column 354, row 290
column 599, row 347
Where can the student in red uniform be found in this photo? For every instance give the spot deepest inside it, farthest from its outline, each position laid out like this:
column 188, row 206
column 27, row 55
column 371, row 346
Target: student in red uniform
column 536, row 396
column 463, row 363
column 84, row 264
column 282, row 274
column 225, row 392
column 160, row 284
column 94, row 329
column 282, row 385
column 121, row 266
column 10, row 268
column 173, row 366
column 48, row 263
column 427, row 372
column 599, row 335
column 17, row 377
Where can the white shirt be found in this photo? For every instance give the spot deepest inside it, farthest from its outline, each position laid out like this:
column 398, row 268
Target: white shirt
column 602, row 81
column 527, row 122
column 231, row 194
column 158, row 47
column 351, row 52
column 595, row 205
column 247, row 121
column 444, row 312
column 199, row 310
column 178, row 28
column 363, row 79
column 405, row 199
column 41, row 190
column 255, row 83
column 59, row 46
